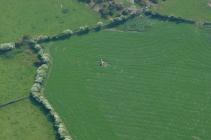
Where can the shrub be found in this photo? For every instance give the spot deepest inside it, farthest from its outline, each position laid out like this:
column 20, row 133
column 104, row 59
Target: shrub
column 110, row 8
column 7, row 46
column 41, row 73
column 45, row 103
column 39, row 79
column 65, row 34
column 43, row 67
column 40, row 53
column 100, row 23
column 45, row 58
column 35, row 94
column 36, row 88
column 99, row 26
column 36, row 47
column 154, row 1
column 42, row 38
column 67, row 138
column 56, row 118
column 86, row 1
column 68, row 32
column 117, row 21
column 28, row 40
column 83, row 30
column 123, row 17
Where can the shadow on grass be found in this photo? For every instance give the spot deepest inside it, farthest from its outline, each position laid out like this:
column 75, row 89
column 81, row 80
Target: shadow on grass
column 9, row 54
column 46, row 113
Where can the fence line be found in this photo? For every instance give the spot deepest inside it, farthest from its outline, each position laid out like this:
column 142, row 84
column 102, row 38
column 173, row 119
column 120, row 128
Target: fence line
column 13, row 101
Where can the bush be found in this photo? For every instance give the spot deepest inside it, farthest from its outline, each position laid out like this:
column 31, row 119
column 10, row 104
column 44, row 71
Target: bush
column 56, row 118
column 99, row 26
column 40, row 53
column 45, row 58
column 86, row 1
column 43, row 67
column 36, row 88
column 83, row 30
column 123, row 17
column 117, row 21
column 36, row 47
column 154, row 1
column 45, row 103
column 41, row 73
column 7, row 46
column 100, row 23
column 67, row 138
column 68, row 32
column 110, row 8
column 39, row 79
column 28, row 40
column 42, row 38
column 36, row 95
column 65, row 34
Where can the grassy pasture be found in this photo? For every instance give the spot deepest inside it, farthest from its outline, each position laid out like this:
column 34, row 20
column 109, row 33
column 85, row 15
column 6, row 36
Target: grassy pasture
column 16, row 70
column 24, row 121
column 199, row 10
column 139, row 24
column 156, row 86
column 33, row 17
column 20, row 121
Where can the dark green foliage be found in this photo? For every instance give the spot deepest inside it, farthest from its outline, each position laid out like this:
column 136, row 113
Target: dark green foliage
column 86, row 1
column 83, row 30
column 154, row 1
column 168, row 18
column 111, row 8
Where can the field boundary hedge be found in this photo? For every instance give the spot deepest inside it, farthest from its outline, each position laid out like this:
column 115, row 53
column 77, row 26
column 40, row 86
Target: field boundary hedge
column 155, row 15
column 113, row 22
column 171, row 18
column 36, row 92
column 66, row 34
column 37, row 88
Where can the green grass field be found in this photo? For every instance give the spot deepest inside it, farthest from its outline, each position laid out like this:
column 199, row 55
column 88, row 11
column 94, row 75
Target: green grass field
column 16, row 70
column 156, row 86
column 199, row 10
column 30, row 17
column 22, row 120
